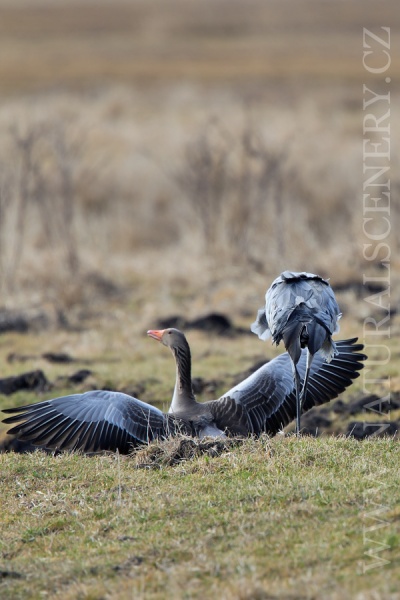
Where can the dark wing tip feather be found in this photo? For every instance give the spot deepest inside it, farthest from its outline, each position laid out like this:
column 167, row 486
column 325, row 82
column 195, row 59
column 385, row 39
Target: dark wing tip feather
column 326, row 383
column 20, row 409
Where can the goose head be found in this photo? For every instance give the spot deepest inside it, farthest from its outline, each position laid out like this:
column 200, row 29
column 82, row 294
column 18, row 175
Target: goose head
column 172, row 338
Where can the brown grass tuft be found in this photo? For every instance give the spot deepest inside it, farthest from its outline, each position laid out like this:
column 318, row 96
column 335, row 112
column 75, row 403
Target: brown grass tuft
column 179, row 449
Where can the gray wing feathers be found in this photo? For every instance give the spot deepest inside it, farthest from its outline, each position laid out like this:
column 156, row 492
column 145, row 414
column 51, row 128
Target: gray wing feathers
column 263, row 392
column 260, row 326
column 270, row 383
column 328, row 380
column 268, row 395
column 293, row 301
column 94, row 421
column 230, row 415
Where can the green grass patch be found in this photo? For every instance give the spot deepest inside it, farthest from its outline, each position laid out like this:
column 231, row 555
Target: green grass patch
column 284, row 517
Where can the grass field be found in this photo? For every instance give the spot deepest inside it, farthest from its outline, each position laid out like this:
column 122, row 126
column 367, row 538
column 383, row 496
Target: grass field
column 282, row 518
column 171, row 158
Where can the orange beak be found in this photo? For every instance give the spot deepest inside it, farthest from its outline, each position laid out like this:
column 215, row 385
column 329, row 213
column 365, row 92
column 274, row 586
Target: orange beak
column 156, row 333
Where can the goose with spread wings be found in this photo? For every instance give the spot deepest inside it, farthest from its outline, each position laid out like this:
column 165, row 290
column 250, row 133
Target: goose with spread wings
column 263, row 402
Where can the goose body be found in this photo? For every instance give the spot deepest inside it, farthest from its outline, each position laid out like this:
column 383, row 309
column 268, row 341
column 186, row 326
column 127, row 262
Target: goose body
column 263, row 402
column 301, row 310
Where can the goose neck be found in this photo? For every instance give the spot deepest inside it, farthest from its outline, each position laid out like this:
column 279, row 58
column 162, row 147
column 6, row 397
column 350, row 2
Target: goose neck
column 183, row 397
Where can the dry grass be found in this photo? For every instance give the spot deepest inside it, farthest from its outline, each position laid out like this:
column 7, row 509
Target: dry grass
column 212, row 162
column 179, row 449
column 106, row 200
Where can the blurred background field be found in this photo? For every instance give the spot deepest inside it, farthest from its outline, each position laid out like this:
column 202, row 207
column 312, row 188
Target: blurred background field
column 190, row 149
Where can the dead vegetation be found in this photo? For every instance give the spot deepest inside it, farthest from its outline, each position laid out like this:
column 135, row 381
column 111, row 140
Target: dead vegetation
column 179, row 449
column 236, row 185
column 227, row 171
column 229, row 199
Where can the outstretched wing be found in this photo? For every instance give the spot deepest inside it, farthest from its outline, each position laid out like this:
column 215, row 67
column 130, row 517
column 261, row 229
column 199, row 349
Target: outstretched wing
column 327, row 381
column 91, row 422
column 269, row 396
column 264, row 391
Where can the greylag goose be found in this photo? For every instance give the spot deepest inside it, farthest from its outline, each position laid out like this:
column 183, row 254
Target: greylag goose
column 263, row 402
column 301, row 310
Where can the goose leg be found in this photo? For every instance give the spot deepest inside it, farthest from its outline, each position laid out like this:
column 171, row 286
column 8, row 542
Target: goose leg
column 308, row 367
column 298, row 397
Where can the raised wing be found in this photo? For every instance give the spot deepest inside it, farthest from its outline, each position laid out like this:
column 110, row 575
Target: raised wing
column 266, row 388
column 91, row 422
column 327, row 381
column 269, row 396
